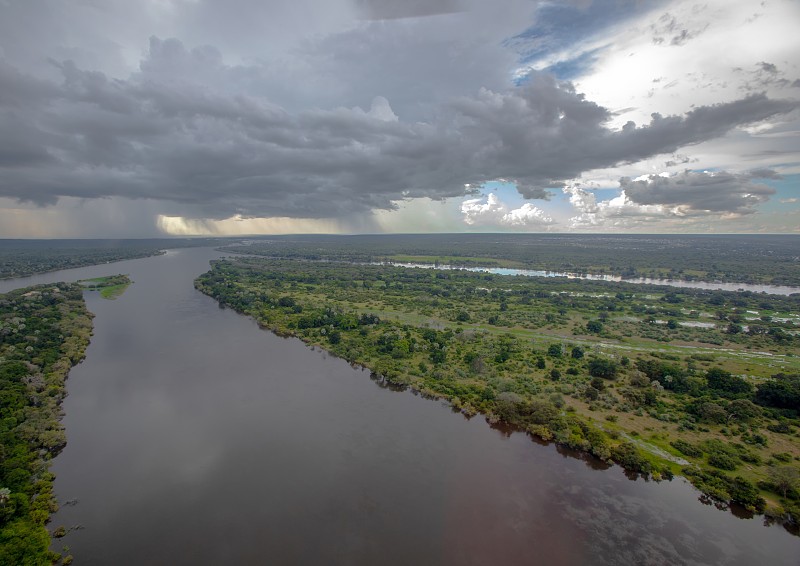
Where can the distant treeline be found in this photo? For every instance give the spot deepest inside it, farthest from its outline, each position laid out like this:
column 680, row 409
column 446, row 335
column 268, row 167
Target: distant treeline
column 765, row 259
column 20, row 258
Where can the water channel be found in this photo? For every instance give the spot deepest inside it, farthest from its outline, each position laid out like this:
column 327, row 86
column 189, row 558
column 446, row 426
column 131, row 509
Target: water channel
column 707, row 285
column 197, row 438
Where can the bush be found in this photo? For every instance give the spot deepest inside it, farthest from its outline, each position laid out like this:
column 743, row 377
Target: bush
column 723, row 461
column 723, row 455
column 629, row 457
column 781, row 427
column 746, row 493
column 686, row 448
column 743, row 410
column 710, row 413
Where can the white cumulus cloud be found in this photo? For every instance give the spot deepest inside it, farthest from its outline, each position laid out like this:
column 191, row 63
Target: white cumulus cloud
column 491, row 211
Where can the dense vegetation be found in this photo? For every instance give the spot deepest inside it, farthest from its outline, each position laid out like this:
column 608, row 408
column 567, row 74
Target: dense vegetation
column 44, row 331
column 737, row 259
column 660, row 380
column 20, row 258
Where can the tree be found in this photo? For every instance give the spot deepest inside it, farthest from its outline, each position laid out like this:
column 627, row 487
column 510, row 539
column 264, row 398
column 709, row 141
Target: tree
column 723, row 381
column 601, row 367
column 577, row 352
column 594, row 326
column 784, row 478
column 437, row 355
column 554, row 351
column 782, row 391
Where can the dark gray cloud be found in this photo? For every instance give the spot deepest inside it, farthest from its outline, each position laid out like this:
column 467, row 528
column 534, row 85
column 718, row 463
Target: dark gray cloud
column 176, row 131
column 715, row 192
column 393, row 9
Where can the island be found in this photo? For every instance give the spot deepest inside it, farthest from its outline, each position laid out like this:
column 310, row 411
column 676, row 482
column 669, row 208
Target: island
column 110, row 287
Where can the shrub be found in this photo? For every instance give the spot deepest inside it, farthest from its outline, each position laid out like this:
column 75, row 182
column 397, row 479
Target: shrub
column 723, row 461
column 686, row 448
column 629, row 457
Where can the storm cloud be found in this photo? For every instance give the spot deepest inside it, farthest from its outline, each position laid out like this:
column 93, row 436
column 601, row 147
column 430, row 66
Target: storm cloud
column 720, row 192
column 369, row 115
column 174, row 132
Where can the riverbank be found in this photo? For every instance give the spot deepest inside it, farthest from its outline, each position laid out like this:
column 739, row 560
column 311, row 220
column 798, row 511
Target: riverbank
column 44, row 331
column 632, row 405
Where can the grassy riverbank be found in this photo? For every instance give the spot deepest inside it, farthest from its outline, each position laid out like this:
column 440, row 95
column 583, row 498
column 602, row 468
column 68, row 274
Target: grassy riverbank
column 617, row 370
column 44, row 331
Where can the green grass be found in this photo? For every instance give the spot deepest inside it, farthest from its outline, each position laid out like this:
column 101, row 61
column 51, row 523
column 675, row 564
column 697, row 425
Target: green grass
column 113, row 292
column 110, row 287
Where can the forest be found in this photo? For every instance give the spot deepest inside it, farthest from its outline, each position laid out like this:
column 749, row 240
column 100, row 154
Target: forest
column 663, row 381
column 44, row 331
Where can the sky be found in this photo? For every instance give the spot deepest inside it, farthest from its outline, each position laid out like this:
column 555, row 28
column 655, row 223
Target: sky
column 208, row 117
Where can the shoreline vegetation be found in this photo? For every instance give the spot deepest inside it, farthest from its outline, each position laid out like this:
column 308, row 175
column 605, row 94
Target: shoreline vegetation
column 44, row 332
column 110, row 287
column 615, row 370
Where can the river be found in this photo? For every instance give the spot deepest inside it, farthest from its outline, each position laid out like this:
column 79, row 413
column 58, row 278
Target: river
column 197, row 438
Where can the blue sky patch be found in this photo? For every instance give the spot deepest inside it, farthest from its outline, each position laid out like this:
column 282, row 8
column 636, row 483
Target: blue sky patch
column 559, row 26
